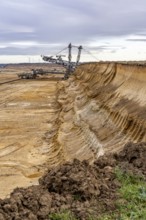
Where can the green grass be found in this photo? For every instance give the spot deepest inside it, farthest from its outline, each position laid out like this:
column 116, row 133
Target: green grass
column 133, row 190
column 132, row 204
column 64, row 215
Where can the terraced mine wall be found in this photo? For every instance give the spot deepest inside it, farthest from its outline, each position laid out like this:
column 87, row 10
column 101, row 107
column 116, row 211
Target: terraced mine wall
column 102, row 108
column 46, row 122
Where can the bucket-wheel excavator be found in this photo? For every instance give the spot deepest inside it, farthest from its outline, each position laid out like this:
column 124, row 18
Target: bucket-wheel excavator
column 69, row 65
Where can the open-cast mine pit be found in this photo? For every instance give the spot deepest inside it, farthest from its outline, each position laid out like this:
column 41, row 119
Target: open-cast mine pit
column 48, row 121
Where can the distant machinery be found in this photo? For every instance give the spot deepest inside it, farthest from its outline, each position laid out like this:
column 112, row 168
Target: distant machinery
column 35, row 73
column 69, row 65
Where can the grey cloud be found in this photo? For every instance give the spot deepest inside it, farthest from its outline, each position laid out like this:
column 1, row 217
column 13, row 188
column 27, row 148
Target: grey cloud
column 137, row 40
column 12, row 37
column 61, row 21
column 142, row 34
column 26, row 51
column 107, row 47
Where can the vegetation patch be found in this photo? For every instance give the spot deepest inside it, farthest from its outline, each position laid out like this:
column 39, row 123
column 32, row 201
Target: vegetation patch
column 131, row 204
column 64, row 215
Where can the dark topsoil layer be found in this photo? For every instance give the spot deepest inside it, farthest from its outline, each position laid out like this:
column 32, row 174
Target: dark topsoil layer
column 79, row 187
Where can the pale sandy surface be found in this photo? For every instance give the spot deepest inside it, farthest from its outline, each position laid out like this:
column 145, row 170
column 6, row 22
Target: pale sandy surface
column 28, row 110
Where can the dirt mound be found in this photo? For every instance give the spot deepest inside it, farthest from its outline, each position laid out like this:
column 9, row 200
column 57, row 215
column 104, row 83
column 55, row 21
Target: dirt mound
column 133, row 158
column 78, row 179
column 82, row 188
column 75, row 186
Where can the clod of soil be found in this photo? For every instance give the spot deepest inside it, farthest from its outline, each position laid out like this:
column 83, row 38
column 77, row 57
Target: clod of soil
column 133, row 158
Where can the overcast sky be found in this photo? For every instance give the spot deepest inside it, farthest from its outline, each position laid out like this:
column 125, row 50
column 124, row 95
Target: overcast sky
column 110, row 29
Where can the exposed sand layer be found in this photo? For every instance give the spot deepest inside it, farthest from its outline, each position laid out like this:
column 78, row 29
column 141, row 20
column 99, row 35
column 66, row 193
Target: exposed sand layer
column 46, row 122
column 28, row 114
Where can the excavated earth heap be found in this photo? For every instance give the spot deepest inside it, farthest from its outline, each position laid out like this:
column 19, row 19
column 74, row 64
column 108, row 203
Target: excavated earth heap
column 79, row 187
